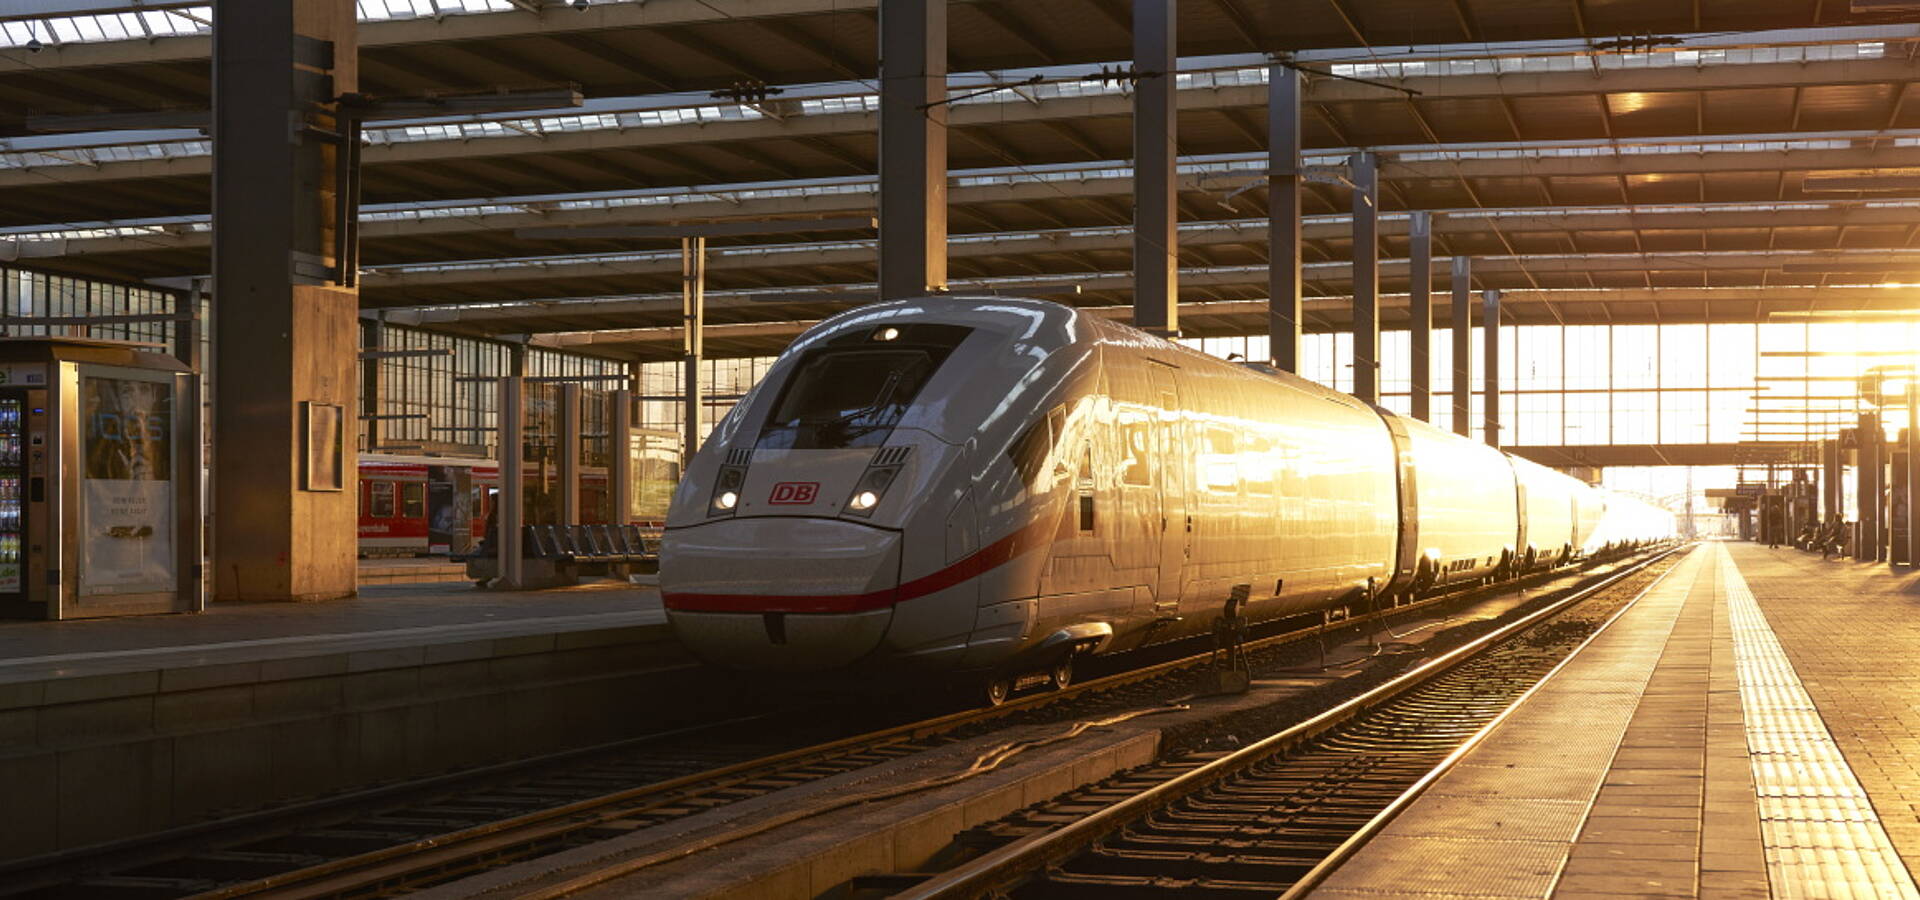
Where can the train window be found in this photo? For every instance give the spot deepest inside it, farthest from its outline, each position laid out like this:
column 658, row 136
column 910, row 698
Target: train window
column 1085, row 486
column 851, row 396
column 1256, row 465
column 1034, row 446
column 380, row 499
column 1135, row 443
column 1029, row 451
column 413, row 501
column 1221, row 464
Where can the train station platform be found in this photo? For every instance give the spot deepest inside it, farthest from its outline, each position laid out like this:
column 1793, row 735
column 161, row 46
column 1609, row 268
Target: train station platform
column 112, row 727
column 1749, row 728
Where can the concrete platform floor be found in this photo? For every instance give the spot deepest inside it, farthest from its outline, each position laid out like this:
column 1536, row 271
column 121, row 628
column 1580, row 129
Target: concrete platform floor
column 383, row 616
column 1724, row 738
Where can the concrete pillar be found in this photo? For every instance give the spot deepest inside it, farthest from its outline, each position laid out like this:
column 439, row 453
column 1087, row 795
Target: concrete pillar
column 568, row 446
column 1490, row 332
column 510, row 511
column 1366, row 278
column 1420, row 309
column 1284, row 86
column 620, row 446
column 1156, row 257
column 372, row 380
column 693, row 315
column 913, row 147
column 1462, row 304
column 286, row 309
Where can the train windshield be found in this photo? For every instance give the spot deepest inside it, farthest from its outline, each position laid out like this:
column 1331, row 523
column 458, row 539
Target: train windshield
column 850, row 394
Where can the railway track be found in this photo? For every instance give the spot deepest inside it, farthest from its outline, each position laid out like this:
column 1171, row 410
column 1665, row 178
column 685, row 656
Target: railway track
column 395, row 839
column 1273, row 818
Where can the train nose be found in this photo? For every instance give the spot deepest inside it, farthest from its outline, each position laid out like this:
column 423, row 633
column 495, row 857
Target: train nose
column 789, row 594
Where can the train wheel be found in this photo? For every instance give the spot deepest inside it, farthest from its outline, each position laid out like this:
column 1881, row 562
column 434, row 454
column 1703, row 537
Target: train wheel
column 998, row 690
column 1062, row 673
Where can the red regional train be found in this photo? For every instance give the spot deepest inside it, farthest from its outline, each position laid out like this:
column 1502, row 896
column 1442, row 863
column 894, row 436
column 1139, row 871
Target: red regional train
column 433, row 505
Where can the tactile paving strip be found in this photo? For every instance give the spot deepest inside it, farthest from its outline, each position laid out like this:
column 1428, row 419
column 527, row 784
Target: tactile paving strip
column 1822, row 836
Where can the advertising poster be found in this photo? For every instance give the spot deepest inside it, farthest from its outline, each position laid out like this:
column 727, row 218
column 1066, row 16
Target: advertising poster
column 126, row 486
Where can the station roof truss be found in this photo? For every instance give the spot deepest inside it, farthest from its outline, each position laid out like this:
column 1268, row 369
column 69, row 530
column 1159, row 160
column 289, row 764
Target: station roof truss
column 1718, row 160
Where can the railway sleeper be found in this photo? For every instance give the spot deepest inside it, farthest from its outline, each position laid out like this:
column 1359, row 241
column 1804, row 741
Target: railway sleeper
column 330, row 843
column 1234, row 799
column 1308, row 843
column 1074, row 885
column 1200, row 863
column 1252, row 824
column 133, row 886
column 224, row 866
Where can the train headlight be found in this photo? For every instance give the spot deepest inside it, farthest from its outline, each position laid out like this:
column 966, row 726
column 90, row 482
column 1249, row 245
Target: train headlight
column 872, row 486
column 726, row 490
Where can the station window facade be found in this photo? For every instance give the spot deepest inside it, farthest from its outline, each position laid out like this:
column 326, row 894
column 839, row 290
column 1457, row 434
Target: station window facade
column 1633, row 384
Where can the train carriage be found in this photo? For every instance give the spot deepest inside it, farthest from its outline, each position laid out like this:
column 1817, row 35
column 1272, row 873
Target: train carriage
column 992, row 485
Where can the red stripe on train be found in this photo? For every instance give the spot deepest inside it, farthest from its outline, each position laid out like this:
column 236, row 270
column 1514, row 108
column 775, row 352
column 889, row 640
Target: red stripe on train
column 982, row 561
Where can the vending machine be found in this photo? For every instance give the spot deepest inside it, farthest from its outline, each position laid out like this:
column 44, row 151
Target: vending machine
column 100, row 480
column 13, row 513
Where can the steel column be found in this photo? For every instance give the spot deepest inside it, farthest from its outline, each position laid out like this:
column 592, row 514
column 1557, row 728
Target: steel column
column 1156, row 260
column 568, row 446
column 192, row 514
column 509, row 509
column 1490, row 333
column 187, row 327
column 1366, row 277
column 1830, row 475
column 1284, row 87
column 1868, row 438
column 1462, row 304
column 283, row 284
column 620, row 446
column 1913, row 473
column 372, row 380
column 693, row 317
column 913, row 147
column 1420, row 311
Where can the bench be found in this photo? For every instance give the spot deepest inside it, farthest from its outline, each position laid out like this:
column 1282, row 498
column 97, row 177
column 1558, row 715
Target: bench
column 565, row 552
column 587, row 543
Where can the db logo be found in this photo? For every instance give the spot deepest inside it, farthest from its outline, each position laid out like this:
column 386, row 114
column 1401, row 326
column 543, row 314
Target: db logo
column 794, row 493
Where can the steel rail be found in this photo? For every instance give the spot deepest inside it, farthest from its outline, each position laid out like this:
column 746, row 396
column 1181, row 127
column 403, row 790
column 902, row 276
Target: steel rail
column 1000, row 868
column 493, row 839
column 1393, row 809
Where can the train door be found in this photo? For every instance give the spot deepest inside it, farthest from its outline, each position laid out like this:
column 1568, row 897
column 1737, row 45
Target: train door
column 1176, row 520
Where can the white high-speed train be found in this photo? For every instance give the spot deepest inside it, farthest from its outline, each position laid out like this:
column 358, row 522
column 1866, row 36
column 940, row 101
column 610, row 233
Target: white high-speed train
column 990, row 486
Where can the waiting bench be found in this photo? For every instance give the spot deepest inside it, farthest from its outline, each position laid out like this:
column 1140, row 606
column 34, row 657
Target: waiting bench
column 560, row 554
column 588, row 543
